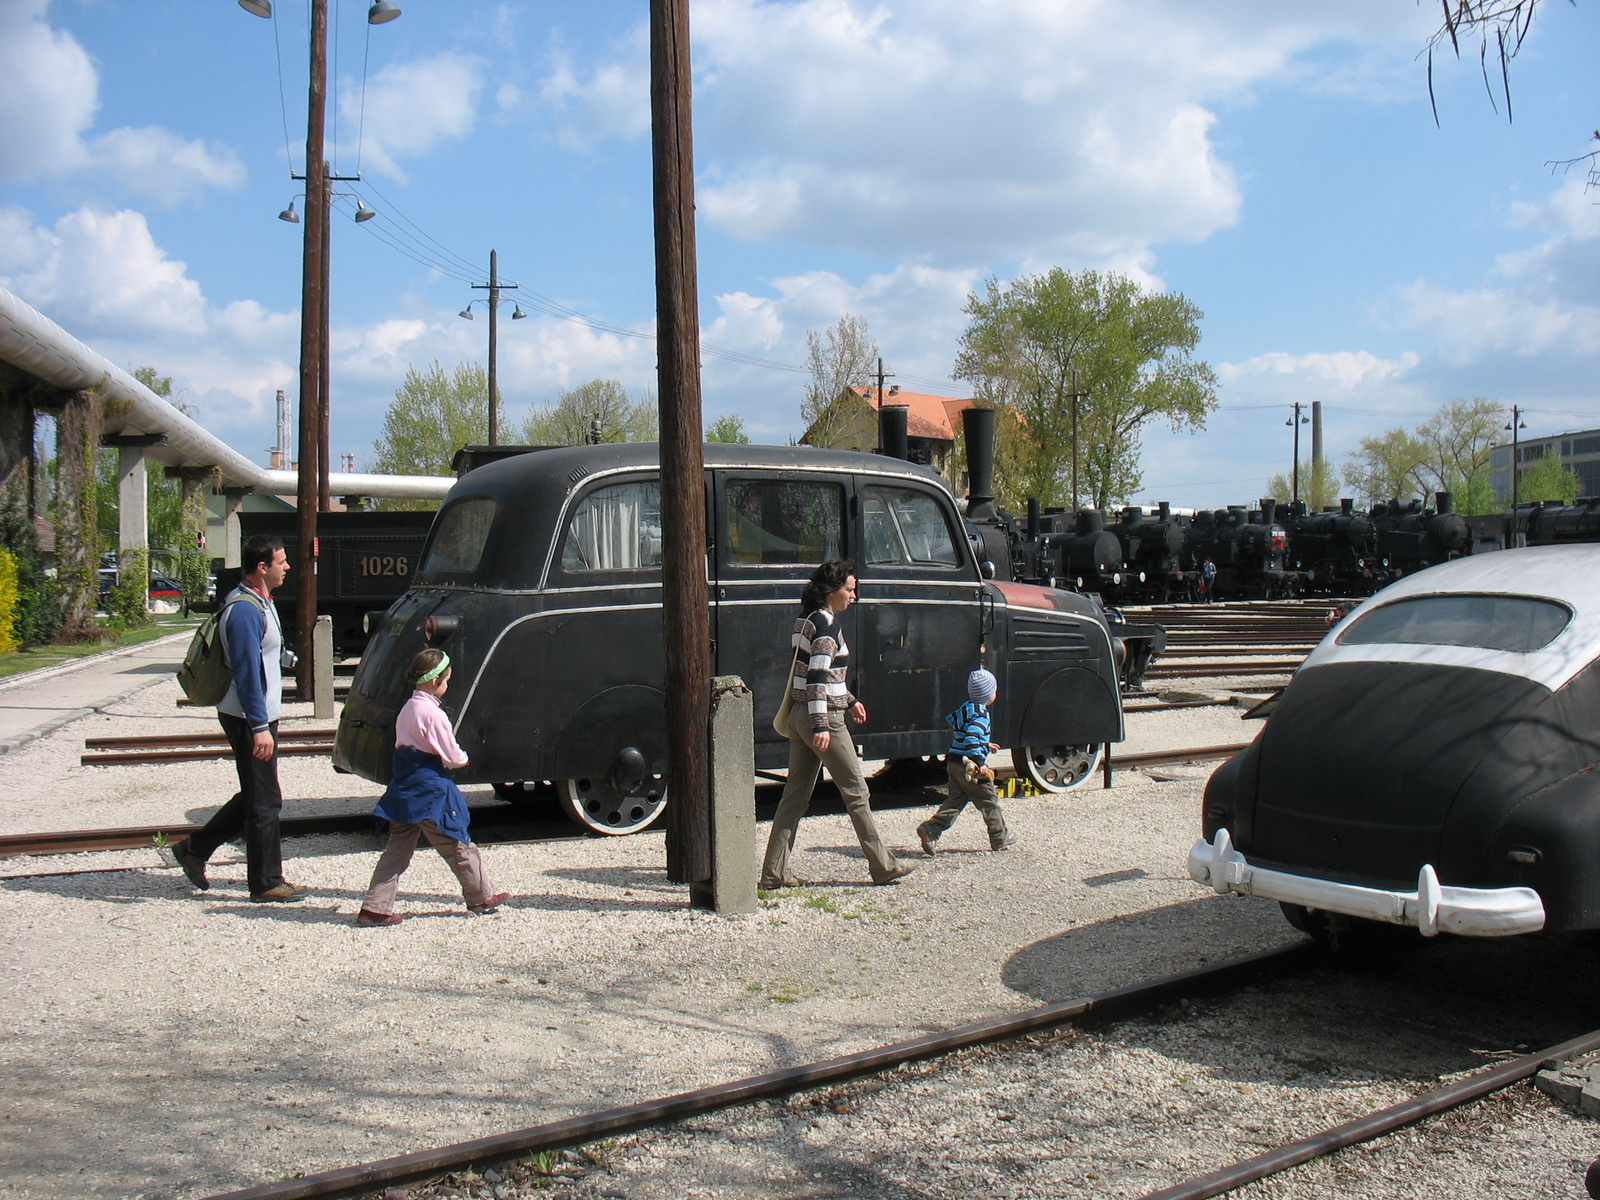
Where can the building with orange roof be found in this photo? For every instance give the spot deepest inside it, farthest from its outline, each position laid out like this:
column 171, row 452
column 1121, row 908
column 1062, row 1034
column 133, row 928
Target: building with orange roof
column 932, row 425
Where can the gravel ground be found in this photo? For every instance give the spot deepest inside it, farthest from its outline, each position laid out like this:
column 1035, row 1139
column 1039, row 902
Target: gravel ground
column 1125, row 1109
column 167, row 1043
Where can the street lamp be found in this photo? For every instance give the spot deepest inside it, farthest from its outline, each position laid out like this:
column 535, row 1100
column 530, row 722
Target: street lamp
column 1516, row 426
column 289, row 215
column 312, row 483
column 493, row 288
column 1297, row 420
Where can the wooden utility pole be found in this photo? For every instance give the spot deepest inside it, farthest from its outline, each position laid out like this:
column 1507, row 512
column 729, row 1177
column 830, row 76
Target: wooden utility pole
column 882, row 375
column 311, row 324
column 686, row 625
column 493, row 288
column 324, row 503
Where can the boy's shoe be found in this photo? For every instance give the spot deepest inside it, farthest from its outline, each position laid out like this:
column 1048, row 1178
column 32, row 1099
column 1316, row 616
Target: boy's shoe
column 1004, row 843
column 277, row 895
column 492, row 904
column 191, row 864
column 929, row 838
column 368, row 917
column 899, row 871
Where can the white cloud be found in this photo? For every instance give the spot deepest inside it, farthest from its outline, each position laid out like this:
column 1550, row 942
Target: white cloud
column 954, row 132
column 49, row 94
column 413, row 106
column 1339, row 370
column 1543, row 301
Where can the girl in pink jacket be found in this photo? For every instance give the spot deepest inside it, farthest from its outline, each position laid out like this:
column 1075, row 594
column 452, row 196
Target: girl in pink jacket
column 422, row 801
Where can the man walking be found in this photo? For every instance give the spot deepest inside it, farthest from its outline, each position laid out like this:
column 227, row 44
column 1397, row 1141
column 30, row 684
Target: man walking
column 252, row 645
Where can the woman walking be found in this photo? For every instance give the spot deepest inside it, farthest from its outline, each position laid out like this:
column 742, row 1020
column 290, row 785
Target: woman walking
column 818, row 702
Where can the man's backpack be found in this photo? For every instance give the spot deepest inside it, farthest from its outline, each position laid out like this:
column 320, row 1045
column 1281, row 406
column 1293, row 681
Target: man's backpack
column 204, row 676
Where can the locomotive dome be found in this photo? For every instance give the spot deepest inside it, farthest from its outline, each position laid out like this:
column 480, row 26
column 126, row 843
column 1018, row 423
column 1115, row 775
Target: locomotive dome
column 1533, row 613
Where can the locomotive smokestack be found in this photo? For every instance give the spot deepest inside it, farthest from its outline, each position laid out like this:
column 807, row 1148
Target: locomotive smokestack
column 1033, row 518
column 1165, row 508
column 1269, row 511
column 892, row 430
column 1347, row 506
column 978, row 426
column 1444, row 503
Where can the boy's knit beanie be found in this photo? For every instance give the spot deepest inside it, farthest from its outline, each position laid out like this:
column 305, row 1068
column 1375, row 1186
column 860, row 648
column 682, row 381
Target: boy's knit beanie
column 981, row 686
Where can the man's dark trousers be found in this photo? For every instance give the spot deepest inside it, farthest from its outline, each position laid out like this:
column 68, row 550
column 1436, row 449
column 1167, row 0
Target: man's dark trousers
column 253, row 811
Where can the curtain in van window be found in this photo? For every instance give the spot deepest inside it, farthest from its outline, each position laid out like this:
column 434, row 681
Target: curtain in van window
column 906, row 528
column 617, row 528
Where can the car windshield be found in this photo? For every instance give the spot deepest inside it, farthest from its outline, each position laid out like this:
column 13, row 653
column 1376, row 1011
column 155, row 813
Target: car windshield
column 1517, row 623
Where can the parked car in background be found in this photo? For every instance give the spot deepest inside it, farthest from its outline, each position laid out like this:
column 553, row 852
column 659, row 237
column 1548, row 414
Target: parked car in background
column 1433, row 762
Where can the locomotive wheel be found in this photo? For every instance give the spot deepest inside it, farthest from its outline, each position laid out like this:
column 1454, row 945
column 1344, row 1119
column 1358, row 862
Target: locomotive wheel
column 601, row 807
column 1057, row 768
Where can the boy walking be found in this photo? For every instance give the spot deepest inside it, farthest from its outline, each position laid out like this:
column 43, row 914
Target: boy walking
column 971, row 780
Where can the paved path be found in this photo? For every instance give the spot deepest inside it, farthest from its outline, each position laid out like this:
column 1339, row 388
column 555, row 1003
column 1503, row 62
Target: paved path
column 40, row 702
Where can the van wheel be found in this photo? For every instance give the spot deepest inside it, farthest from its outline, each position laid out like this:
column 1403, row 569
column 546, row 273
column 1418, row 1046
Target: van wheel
column 1057, row 768
column 601, row 807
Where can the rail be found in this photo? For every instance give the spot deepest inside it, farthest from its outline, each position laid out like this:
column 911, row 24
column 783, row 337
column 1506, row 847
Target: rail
column 555, row 1135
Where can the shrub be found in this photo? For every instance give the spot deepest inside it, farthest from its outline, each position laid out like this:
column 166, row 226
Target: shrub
column 8, row 601
column 128, row 603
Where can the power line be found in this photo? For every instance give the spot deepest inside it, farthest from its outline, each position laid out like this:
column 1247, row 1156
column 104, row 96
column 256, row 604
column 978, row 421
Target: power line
column 283, row 104
column 361, row 121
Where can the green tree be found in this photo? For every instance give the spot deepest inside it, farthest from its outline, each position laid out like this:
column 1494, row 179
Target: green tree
column 432, row 416
column 843, row 355
column 570, row 420
column 1319, row 485
column 1547, row 480
column 729, row 427
column 1128, row 354
column 1449, row 452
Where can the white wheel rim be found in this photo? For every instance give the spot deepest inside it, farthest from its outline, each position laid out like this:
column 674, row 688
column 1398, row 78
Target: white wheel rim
column 600, row 808
column 1060, row 768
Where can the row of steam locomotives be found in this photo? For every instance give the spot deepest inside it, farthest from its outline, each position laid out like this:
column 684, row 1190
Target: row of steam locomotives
column 1275, row 550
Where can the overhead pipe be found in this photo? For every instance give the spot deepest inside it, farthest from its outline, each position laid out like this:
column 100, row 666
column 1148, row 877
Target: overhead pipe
column 33, row 343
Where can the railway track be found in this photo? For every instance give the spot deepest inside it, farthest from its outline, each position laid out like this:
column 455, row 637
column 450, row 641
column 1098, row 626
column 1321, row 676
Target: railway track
column 76, row 841
column 822, row 1078
column 609, row 1122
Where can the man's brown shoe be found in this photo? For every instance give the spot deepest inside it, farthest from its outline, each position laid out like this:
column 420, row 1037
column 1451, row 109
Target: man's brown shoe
column 900, row 870
column 276, row 895
column 492, row 904
column 369, row 918
column 191, row 864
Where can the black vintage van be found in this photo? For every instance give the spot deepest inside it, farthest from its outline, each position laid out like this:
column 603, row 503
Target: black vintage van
column 541, row 579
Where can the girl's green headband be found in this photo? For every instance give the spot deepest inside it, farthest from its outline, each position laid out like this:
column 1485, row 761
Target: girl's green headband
column 444, row 665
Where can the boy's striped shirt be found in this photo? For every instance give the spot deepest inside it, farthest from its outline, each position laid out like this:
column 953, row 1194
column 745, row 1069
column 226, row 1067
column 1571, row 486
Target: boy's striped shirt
column 971, row 740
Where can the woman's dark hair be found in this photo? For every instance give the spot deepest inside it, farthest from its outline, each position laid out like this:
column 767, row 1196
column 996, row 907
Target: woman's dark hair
column 425, row 661
column 825, row 580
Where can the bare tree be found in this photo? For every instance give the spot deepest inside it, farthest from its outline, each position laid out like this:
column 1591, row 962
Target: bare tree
column 1501, row 25
column 843, row 355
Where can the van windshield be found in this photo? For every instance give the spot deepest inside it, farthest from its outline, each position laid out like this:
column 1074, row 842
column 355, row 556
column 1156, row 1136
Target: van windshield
column 459, row 536
column 1516, row 623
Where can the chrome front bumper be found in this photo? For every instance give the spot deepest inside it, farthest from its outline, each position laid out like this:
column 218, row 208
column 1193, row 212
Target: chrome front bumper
column 1432, row 908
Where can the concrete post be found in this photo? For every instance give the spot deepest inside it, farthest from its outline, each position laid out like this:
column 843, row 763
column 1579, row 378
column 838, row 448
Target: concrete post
column 133, row 499
column 233, row 537
column 734, row 855
column 322, row 668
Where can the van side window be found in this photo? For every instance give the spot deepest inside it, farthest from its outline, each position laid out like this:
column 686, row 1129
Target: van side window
column 906, row 528
column 459, row 536
column 783, row 521
column 616, row 528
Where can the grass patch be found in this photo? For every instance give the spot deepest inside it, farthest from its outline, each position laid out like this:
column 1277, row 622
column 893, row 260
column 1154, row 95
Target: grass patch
column 38, row 658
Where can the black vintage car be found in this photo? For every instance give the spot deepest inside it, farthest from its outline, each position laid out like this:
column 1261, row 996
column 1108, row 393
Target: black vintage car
column 541, row 579
column 1432, row 763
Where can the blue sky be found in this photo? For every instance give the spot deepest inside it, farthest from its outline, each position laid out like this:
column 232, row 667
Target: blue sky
column 1278, row 164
